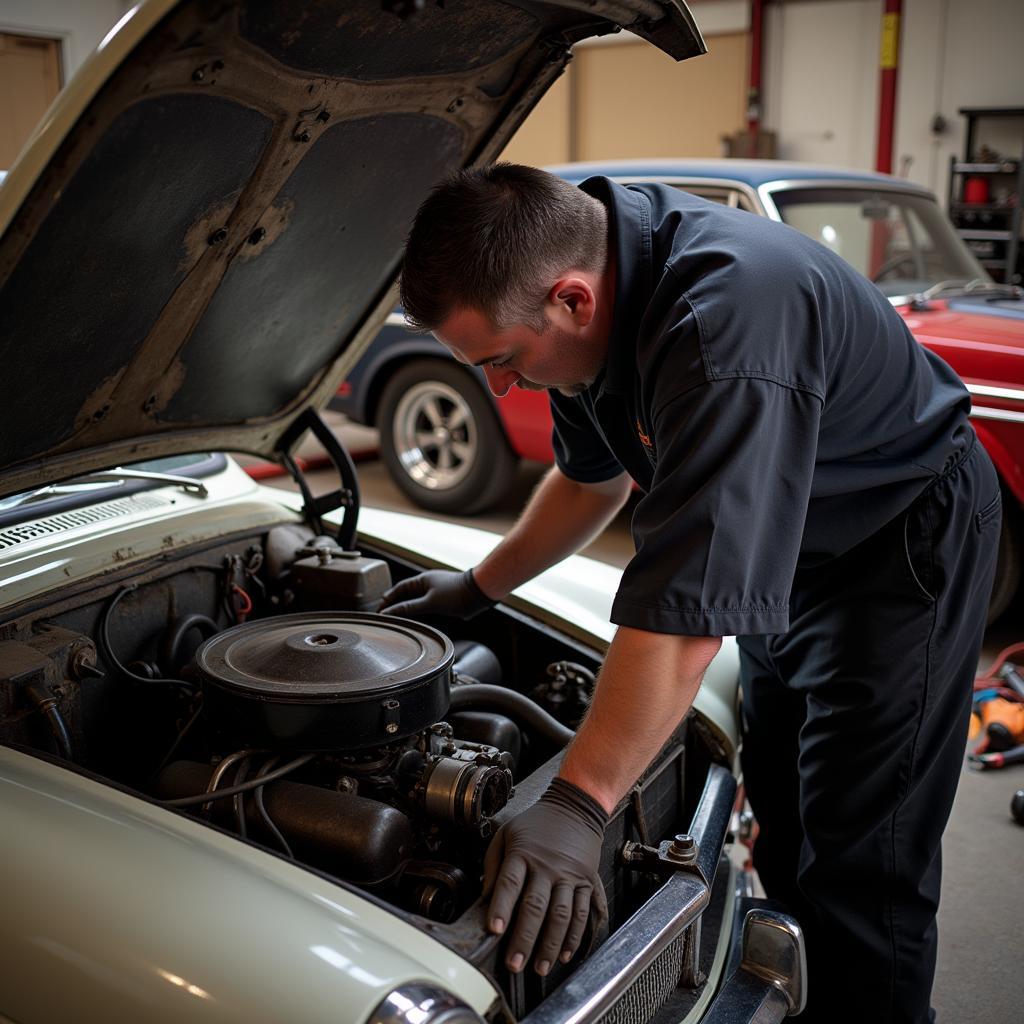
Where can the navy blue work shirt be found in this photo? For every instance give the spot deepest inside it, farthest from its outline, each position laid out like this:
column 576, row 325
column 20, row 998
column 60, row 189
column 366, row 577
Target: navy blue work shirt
column 767, row 398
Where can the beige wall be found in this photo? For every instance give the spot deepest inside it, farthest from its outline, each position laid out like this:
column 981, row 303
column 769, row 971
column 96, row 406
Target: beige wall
column 29, row 81
column 629, row 100
column 544, row 137
column 635, row 101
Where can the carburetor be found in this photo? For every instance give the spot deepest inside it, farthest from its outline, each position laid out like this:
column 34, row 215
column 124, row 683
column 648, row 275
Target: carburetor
column 456, row 781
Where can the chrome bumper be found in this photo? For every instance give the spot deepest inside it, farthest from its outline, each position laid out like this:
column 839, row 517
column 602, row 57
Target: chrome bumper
column 614, row 983
column 766, row 978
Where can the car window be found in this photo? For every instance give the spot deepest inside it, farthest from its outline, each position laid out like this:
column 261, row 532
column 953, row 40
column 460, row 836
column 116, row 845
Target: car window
column 901, row 241
column 726, row 196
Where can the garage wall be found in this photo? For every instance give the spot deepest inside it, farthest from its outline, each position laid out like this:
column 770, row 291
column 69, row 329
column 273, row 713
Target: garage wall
column 821, row 78
column 620, row 97
column 79, row 24
column 956, row 53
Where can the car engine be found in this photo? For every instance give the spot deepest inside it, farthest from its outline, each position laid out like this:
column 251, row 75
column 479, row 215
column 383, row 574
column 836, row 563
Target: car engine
column 253, row 685
column 285, row 709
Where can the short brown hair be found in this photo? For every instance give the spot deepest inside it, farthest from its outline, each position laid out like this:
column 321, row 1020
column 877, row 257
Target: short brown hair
column 495, row 239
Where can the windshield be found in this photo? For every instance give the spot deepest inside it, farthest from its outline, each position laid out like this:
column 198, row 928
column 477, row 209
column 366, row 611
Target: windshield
column 900, row 241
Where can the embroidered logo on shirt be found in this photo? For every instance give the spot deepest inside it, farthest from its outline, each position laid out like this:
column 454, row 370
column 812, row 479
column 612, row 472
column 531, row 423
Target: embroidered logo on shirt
column 645, row 440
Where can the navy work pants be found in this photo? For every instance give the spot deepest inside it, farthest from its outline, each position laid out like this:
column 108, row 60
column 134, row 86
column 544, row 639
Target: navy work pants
column 855, row 728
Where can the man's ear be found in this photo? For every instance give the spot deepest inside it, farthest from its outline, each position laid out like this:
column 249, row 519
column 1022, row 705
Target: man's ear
column 577, row 295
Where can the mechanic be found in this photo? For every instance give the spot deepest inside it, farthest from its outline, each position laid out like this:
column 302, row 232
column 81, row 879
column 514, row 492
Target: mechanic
column 811, row 484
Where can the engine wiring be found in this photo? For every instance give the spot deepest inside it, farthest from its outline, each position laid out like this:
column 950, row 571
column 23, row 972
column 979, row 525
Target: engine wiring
column 183, row 732
column 242, row 787
column 108, row 651
column 262, row 809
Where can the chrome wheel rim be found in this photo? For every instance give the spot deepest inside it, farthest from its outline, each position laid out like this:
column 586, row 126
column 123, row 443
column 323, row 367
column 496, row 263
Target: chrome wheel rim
column 436, row 437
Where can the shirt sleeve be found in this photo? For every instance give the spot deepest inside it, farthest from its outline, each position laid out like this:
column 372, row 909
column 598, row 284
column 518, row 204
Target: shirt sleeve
column 718, row 535
column 581, row 451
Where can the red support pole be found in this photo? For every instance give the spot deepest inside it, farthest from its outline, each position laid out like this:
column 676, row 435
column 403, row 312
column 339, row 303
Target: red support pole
column 889, row 63
column 754, row 85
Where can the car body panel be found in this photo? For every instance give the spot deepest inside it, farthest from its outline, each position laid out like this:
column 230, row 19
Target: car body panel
column 753, row 173
column 191, row 918
column 49, row 552
column 252, row 142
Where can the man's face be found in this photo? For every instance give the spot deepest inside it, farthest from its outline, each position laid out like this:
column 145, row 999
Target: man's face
column 567, row 355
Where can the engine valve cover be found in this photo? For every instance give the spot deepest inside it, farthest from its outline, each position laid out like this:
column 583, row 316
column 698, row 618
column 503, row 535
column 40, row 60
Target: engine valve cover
column 326, row 681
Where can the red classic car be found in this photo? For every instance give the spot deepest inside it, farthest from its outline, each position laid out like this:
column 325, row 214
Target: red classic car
column 452, row 447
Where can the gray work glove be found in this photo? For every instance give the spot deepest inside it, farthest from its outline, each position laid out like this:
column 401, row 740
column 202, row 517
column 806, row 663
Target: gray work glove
column 437, row 592
column 547, row 860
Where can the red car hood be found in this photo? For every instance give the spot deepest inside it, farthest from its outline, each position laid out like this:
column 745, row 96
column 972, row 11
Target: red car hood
column 978, row 347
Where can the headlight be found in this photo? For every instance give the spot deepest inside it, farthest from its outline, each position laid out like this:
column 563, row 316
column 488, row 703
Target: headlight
column 423, row 1004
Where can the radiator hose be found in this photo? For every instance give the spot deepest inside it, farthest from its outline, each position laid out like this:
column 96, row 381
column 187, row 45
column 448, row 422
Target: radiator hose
column 525, row 712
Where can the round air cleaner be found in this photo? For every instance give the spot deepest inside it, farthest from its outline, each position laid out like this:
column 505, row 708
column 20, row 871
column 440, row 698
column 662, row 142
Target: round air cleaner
column 326, row 681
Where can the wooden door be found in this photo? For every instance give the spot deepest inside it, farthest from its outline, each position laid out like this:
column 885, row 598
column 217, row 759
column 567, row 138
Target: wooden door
column 29, row 80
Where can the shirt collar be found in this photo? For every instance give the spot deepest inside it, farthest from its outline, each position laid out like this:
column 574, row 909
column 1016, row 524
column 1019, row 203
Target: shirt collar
column 629, row 236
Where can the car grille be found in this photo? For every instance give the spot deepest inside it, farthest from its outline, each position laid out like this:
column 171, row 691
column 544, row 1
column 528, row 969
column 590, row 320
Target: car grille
column 651, row 990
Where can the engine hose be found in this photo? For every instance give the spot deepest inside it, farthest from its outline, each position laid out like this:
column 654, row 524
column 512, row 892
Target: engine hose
column 182, row 627
column 525, row 711
column 47, row 704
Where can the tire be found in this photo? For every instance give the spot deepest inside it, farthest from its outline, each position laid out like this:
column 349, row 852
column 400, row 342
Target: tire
column 1007, row 561
column 441, row 440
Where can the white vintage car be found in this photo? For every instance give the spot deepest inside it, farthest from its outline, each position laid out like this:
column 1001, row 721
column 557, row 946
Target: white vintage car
column 231, row 790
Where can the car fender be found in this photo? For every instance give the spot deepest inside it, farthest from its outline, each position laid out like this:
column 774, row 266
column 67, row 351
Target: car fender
column 116, row 908
column 1007, row 467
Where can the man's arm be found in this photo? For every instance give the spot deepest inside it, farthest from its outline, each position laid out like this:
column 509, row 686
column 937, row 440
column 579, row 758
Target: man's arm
column 647, row 684
column 545, row 860
column 561, row 517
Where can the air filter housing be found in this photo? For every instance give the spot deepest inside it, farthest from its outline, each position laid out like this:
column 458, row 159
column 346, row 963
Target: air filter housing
column 326, row 681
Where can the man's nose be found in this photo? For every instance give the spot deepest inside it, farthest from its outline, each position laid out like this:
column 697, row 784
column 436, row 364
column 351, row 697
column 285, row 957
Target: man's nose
column 500, row 381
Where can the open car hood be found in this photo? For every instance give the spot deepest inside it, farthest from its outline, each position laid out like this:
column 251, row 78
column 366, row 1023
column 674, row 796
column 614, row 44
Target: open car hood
column 206, row 229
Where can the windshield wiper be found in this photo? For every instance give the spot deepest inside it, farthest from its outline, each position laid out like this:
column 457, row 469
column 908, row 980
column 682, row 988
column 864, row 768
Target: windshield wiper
column 93, row 480
column 976, row 286
column 186, row 483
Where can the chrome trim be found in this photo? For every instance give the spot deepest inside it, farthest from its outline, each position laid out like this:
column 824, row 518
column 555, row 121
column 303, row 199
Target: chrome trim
column 992, row 391
column 746, row 999
column 711, row 820
column 766, row 190
column 766, row 977
column 983, row 412
column 685, row 181
column 602, row 979
column 419, row 1003
column 773, row 950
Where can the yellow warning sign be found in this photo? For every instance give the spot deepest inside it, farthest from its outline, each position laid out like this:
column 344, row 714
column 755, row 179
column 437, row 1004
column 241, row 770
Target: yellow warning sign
column 890, row 41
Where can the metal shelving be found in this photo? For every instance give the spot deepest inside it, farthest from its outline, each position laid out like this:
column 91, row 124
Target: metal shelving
column 992, row 229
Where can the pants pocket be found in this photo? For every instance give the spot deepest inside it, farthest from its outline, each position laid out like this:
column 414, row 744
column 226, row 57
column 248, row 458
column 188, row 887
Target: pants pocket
column 989, row 514
column 917, row 553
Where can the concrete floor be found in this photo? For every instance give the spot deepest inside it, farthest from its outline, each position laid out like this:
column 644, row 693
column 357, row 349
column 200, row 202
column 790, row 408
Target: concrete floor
column 983, row 852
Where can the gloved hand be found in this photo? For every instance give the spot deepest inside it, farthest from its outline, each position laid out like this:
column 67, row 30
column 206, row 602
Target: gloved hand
column 547, row 859
column 437, row 592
